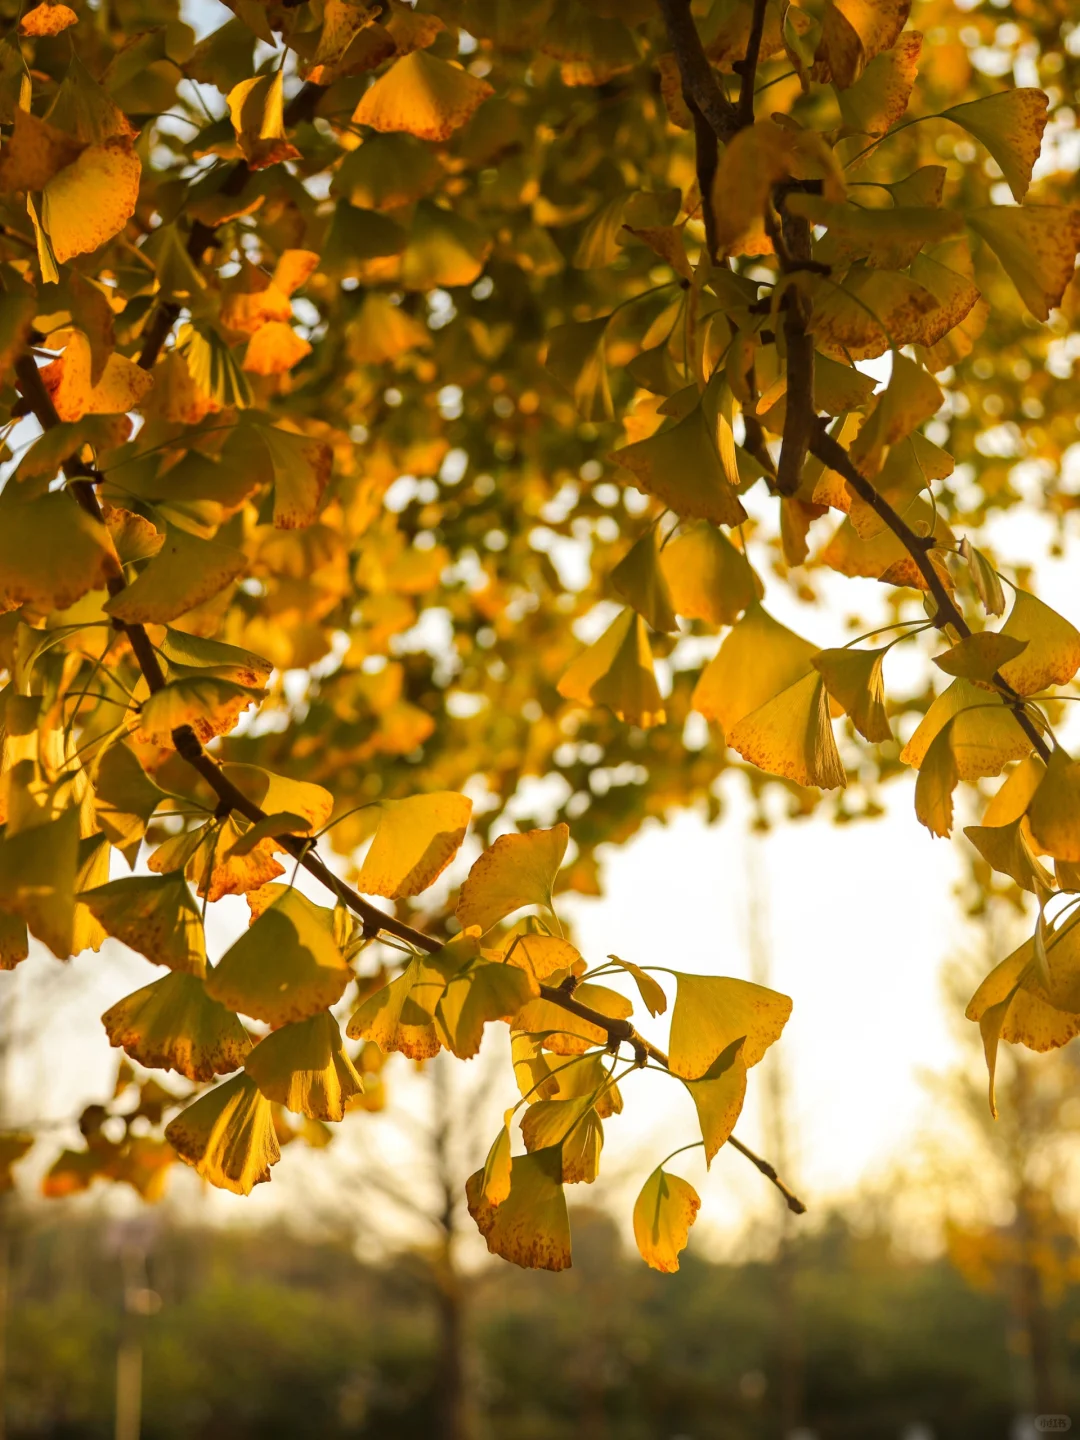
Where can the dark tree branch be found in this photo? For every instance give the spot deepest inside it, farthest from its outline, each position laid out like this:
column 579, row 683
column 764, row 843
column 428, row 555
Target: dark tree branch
column 748, row 67
column 699, row 80
column 230, row 798
column 792, row 244
column 707, row 158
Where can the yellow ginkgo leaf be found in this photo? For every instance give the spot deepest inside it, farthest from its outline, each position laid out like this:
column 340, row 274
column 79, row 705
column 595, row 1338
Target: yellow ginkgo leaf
column 185, row 653
column 565, row 1034
column 718, row 1097
column 1051, row 654
column 758, row 660
column 663, row 1214
column 854, row 679
column 639, row 579
column 52, row 553
column 173, row 1024
column 758, row 157
column 304, row 1067
column 68, row 379
column 616, row 671
column 853, row 32
column 494, row 1185
column 274, row 348
column 517, row 870
column 1010, row 124
column 423, row 96
column 910, row 397
column 542, row 955
column 574, row 1127
column 889, row 238
column 280, row 794
column 476, row 994
column 185, row 572
column 985, row 578
column 871, row 312
column 977, row 657
column 386, row 172
column 791, row 735
column 1005, row 848
column 47, row 19
column 209, row 704
column 302, row 468
column 683, row 467
column 879, row 98
column 530, row 1227
column 38, row 869
column 395, row 1020
column 415, row 840
column 257, row 110
column 708, row 578
column 1015, row 793
column 34, row 153
column 712, row 1012
column 124, row 799
column 92, row 199
column 154, row 914
column 985, row 733
column 285, row 967
column 938, row 778
column 228, row 1136
column 575, row 356
column 650, row 989
column 1037, row 246
column 1054, row 811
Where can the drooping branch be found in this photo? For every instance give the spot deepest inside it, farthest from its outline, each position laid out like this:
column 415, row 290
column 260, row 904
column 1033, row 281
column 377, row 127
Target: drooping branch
column 230, row 798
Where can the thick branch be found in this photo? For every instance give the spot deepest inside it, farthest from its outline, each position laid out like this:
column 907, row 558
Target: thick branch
column 699, row 80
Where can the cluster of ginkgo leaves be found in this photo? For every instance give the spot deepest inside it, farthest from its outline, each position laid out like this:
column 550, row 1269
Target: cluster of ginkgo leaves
column 328, row 321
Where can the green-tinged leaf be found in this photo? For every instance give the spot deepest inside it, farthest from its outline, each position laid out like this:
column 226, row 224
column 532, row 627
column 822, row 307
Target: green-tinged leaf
column 154, row 914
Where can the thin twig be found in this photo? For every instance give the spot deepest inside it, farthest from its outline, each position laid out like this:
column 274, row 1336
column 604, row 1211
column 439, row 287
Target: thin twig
column 748, row 68
column 699, row 79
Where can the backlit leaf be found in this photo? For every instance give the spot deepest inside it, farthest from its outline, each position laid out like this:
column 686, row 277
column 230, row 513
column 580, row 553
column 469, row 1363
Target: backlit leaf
column 228, row 1136
column 154, row 914
column 415, row 840
column 663, row 1214
column 1010, row 124
column 517, row 870
column 530, row 1227
column 304, row 1067
column 173, row 1024
column 423, row 96
column 712, row 1012
column 791, row 735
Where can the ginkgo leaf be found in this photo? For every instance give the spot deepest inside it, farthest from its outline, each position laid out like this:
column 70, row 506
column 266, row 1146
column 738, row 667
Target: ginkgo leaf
column 879, row 98
column 872, row 311
column 1015, row 793
column 230, row 662
column 682, row 466
column 185, row 572
column 718, row 1097
column 985, row 734
column 423, row 96
column 712, row 1012
column 791, row 735
column 154, row 914
column 209, row 704
column 92, row 199
column 756, row 159
column 854, row 679
column 1037, row 246
column 854, row 31
column 275, row 348
column 302, row 468
column 977, row 657
column 280, row 793
column 574, row 1127
column 639, row 579
column 663, row 1214
column 650, row 989
column 516, row 871
column 617, row 671
column 206, row 856
column 575, row 356
column 52, row 553
column 387, row 171
column 270, row 827
column 47, row 19
column 1010, row 124
column 1054, row 811
column 34, row 153
column 564, row 1033
column 285, row 967
column 910, row 397
column 708, row 578
column 530, row 1227
column 394, row 1020
column 479, row 993
column 304, row 1067
column 1051, row 653
column 889, row 238
column 494, row 1184
column 985, row 579
column 124, row 799
column 414, row 842
column 542, row 955
column 1005, row 848
column 173, row 1024
column 38, row 868
column 444, row 249
column 937, row 779
column 757, row 660
column 257, row 110
column 228, row 1136
column 121, row 386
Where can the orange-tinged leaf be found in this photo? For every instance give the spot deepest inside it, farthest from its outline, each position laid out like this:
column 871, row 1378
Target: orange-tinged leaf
column 185, row 572
column 304, row 1067
column 210, row 704
column 274, row 348
column 302, row 469
column 1051, row 654
column 517, row 870
column 423, row 96
column 853, row 32
column 35, row 152
column 92, row 199
column 712, row 1012
column 257, row 110
column 663, row 1214
column 52, row 553
column 228, row 1136
column 791, row 735
column 682, row 466
column 1010, row 125
column 120, row 388
column 173, row 1024
column 854, row 679
column 47, row 19
column 530, row 1227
